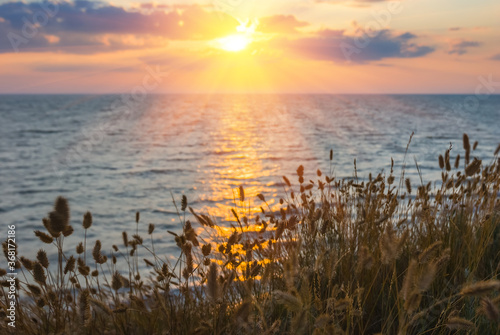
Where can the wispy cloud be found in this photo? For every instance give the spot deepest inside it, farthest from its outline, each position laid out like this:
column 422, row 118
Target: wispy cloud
column 461, row 47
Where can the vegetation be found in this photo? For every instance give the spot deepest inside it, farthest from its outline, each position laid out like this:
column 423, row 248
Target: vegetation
column 341, row 256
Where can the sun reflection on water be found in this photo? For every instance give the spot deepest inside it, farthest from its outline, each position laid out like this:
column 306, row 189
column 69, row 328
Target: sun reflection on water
column 241, row 158
column 238, row 161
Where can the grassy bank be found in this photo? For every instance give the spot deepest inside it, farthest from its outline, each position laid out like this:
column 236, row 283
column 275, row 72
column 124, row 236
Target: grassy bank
column 384, row 255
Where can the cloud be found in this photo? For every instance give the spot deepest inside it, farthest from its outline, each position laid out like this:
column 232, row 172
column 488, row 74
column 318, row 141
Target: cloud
column 460, row 47
column 77, row 67
column 85, row 22
column 7, row 34
column 495, row 57
column 463, row 29
column 283, row 24
column 337, row 46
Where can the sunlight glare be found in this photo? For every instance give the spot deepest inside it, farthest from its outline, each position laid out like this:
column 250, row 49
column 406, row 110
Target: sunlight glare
column 234, row 43
column 240, row 40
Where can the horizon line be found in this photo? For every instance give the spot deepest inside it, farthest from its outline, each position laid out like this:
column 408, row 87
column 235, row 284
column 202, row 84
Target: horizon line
column 242, row 93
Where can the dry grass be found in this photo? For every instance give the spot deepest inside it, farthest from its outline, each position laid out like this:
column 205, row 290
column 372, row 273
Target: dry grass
column 341, row 256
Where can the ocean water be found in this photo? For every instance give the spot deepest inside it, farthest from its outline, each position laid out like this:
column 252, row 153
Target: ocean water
column 114, row 160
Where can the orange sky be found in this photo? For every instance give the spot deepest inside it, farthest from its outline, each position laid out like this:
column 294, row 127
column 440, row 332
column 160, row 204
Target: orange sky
column 242, row 46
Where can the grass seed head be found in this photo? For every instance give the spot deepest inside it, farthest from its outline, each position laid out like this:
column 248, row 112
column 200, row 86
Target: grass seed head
column 490, row 309
column 481, row 288
column 457, row 323
column 44, row 237
column 41, row 256
column 39, row 273
column 61, row 207
column 87, row 220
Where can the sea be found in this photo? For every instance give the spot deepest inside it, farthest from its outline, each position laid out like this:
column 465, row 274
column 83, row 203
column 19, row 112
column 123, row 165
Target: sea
column 115, row 157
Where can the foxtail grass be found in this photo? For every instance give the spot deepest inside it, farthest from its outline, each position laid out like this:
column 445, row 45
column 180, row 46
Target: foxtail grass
column 348, row 256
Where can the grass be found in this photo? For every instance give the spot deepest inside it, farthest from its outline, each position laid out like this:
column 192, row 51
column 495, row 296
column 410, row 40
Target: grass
column 340, row 257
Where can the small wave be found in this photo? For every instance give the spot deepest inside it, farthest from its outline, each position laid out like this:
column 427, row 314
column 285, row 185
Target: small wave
column 40, row 131
column 158, row 171
column 31, row 191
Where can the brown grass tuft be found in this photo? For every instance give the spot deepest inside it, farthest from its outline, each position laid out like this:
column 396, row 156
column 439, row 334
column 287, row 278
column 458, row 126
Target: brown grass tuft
column 389, row 246
column 456, row 323
column 481, row 288
column 35, row 290
column 441, row 162
column 151, row 228
column 489, row 309
column 70, row 265
column 212, row 287
column 428, row 253
column 466, row 142
column 39, row 273
column 101, row 305
column 184, row 203
column 87, row 220
column 57, row 223
column 241, row 193
column 125, row 239
column 84, row 308
column 116, row 282
column 287, row 182
column 27, row 263
column 41, row 256
column 408, row 185
column 290, row 301
column 302, row 263
column 67, row 231
column 409, row 279
column 96, row 252
column 473, row 167
column 44, row 237
column 61, row 207
column 79, row 248
column 427, row 277
column 457, row 162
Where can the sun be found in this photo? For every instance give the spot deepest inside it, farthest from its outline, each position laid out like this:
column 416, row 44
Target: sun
column 234, row 43
column 239, row 41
